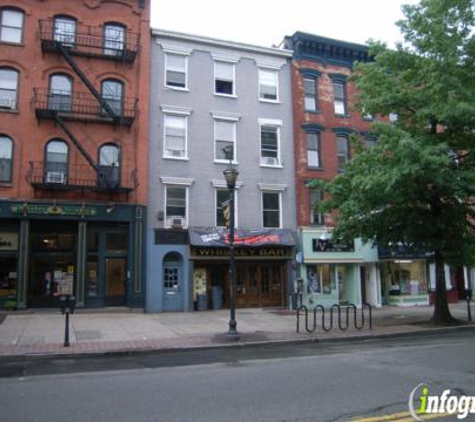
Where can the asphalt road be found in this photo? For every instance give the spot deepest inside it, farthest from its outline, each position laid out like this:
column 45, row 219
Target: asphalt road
column 319, row 382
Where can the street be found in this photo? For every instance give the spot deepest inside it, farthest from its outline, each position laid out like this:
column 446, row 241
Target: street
column 321, row 382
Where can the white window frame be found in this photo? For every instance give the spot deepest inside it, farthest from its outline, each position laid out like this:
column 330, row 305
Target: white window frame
column 183, row 55
column 176, row 182
column 275, row 71
column 318, row 150
column 340, row 102
column 225, row 119
column 7, row 102
column 224, row 188
column 347, row 155
column 233, row 80
column 180, row 113
column 6, row 25
column 276, row 192
column 278, row 125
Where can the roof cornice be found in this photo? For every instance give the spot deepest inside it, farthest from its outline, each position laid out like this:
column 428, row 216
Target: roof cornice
column 279, row 52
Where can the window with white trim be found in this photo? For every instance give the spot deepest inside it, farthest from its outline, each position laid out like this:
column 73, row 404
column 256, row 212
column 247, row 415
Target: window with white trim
column 224, row 139
column 268, row 85
column 175, row 136
column 176, row 199
column 224, row 75
column 270, row 144
column 8, row 88
column 176, row 66
column 222, row 207
column 310, row 93
column 11, row 25
column 114, row 39
column 271, row 206
column 64, row 30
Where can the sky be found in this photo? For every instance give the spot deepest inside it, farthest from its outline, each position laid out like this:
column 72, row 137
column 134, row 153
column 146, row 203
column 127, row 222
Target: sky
column 266, row 22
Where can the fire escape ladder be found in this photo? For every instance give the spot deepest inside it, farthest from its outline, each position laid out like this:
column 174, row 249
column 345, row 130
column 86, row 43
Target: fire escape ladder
column 107, row 108
column 76, row 142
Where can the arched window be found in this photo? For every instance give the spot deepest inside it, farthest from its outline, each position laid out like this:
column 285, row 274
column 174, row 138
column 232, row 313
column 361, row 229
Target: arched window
column 11, row 25
column 56, row 161
column 60, row 92
column 109, row 166
column 8, row 88
column 6, row 159
column 64, row 30
column 114, row 39
column 113, row 94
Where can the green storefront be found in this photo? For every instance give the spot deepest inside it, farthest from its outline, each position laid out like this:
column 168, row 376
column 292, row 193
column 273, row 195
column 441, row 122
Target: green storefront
column 91, row 251
column 337, row 273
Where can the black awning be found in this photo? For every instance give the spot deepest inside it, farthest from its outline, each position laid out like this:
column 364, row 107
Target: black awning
column 216, row 237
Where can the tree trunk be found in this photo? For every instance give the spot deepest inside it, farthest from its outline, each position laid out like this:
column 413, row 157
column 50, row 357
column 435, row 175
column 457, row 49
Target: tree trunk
column 442, row 315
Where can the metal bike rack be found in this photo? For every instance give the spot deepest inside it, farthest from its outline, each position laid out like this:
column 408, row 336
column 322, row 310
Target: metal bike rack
column 338, row 309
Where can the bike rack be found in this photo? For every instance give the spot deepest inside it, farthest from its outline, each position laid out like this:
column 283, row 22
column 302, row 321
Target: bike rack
column 338, row 308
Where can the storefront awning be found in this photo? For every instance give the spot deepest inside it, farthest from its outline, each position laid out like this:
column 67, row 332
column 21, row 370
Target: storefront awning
column 216, row 237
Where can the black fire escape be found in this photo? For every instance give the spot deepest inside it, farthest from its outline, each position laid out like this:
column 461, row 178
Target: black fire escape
column 88, row 107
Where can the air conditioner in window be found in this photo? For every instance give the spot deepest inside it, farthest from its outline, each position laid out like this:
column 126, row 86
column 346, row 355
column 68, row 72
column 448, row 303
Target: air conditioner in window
column 56, row 177
column 7, row 104
column 175, row 153
column 270, row 161
column 176, row 222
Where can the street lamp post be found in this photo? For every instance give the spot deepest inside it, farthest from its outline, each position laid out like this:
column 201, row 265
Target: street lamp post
column 231, row 174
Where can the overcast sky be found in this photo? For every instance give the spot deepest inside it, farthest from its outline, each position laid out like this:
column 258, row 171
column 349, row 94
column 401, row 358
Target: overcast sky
column 266, row 22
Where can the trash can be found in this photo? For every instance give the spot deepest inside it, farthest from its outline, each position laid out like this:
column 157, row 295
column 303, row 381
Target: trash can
column 217, row 296
column 202, row 302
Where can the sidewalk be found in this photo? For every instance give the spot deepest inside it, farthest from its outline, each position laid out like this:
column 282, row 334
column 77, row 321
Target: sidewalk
column 41, row 332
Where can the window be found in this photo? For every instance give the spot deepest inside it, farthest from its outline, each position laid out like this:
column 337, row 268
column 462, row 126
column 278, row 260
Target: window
column 339, row 94
column 109, row 166
column 113, row 94
column 175, row 70
column 6, row 159
column 313, row 150
column 271, row 209
column 310, row 94
column 224, row 78
column 176, row 204
column 224, row 139
column 60, row 92
column 56, row 162
column 268, row 85
column 222, row 207
column 11, row 25
column 270, row 143
column 8, row 89
column 114, row 39
column 343, row 151
column 315, row 197
column 64, row 30
column 175, row 128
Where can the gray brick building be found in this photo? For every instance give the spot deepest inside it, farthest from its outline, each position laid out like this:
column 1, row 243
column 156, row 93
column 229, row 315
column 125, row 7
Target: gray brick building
column 208, row 95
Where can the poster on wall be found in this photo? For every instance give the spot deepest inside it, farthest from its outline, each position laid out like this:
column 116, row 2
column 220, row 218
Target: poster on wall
column 199, row 282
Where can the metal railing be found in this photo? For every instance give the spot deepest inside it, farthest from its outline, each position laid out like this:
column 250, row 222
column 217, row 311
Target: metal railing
column 326, row 323
column 80, row 177
column 82, row 106
column 91, row 41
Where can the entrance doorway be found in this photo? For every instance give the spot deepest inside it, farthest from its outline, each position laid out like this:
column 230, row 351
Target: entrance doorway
column 115, row 281
column 172, row 282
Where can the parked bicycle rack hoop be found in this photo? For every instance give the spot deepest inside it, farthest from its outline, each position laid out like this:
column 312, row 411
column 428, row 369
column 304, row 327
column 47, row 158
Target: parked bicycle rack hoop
column 343, row 322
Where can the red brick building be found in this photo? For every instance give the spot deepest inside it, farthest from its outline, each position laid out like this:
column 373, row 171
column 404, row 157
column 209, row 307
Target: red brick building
column 74, row 81
column 324, row 119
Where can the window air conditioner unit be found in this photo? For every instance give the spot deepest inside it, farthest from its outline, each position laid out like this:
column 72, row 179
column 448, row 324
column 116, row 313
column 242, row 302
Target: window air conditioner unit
column 174, row 152
column 177, row 222
column 271, row 161
column 7, row 104
column 56, row 177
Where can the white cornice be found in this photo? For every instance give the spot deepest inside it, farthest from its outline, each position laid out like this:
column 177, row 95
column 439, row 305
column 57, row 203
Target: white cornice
column 277, row 52
column 184, row 181
column 272, row 187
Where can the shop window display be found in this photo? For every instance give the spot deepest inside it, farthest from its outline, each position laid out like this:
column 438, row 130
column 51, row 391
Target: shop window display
column 406, row 278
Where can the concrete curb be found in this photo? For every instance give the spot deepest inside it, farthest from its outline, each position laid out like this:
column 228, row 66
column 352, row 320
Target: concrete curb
column 231, row 345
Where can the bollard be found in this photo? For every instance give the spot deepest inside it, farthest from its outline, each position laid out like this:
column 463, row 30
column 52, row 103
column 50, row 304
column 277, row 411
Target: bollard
column 468, row 298
column 67, row 304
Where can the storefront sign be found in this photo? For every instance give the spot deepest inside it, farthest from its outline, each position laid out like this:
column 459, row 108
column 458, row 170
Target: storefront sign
column 238, row 252
column 54, row 210
column 8, row 241
column 254, row 238
column 319, row 245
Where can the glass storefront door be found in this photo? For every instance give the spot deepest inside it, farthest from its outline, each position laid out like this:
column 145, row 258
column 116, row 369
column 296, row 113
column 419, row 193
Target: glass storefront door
column 115, row 281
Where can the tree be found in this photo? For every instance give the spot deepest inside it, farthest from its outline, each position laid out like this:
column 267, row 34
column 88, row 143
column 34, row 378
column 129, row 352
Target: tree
column 416, row 186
